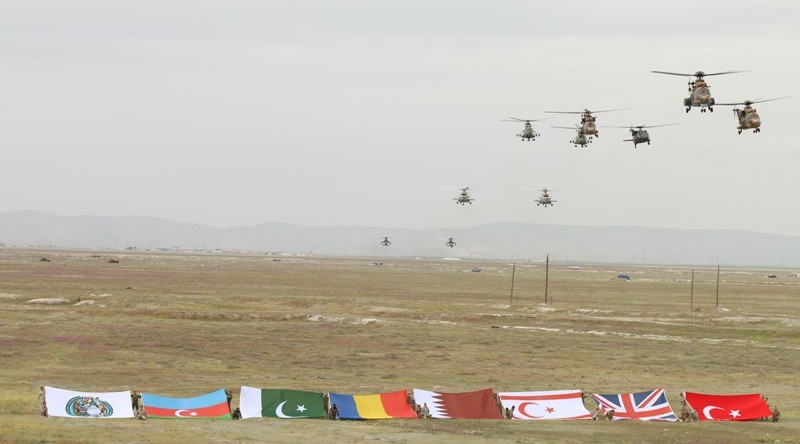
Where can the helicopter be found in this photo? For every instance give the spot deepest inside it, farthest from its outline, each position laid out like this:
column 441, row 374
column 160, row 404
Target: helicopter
column 527, row 133
column 386, row 242
column 700, row 95
column 587, row 126
column 449, row 242
column 463, row 197
column 639, row 134
column 580, row 138
column 747, row 116
column 544, row 199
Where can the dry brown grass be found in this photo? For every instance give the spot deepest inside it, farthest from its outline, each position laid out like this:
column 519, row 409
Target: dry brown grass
column 183, row 324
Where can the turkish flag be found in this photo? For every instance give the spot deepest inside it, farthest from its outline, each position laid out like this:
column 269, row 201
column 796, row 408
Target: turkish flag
column 728, row 407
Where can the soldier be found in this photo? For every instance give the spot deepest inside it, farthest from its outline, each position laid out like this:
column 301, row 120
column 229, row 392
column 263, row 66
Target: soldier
column 610, row 414
column 776, row 414
column 596, row 414
column 418, row 410
column 42, row 402
column 135, row 401
column 140, row 413
column 229, row 395
column 237, row 414
column 426, row 413
column 333, row 413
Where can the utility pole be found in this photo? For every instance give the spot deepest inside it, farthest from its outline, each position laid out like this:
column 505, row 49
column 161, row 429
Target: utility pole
column 717, row 286
column 546, row 276
column 691, row 294
column 513, row 272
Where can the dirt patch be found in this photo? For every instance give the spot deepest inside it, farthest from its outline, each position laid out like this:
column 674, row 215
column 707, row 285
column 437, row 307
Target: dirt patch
column 48, row 301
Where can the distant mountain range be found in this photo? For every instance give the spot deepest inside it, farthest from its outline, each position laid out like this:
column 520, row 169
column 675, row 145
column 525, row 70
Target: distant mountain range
column 510, row 241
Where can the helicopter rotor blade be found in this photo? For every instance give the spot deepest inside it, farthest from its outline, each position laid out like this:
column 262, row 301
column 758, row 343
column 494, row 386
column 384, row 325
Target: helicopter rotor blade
column 759, row 100
column 673, row 73
column 720, row 73
column 576, row 127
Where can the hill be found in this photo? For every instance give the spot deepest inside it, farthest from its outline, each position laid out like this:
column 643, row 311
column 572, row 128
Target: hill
column 510, row 241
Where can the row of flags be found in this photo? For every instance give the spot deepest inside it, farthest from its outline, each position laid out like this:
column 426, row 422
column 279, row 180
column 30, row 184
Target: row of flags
column 480, row 404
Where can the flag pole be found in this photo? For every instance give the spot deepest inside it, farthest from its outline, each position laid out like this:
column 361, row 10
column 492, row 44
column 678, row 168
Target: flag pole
column 513, row 272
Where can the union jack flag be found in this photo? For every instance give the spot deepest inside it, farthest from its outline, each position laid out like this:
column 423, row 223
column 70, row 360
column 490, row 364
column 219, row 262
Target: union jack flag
column 645, row 406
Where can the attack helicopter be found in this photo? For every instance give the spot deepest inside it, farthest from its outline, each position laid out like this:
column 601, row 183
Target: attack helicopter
column 639, row 134
column 580, row 138
column 747, row 116
column 587, row 126
column 386, row 242
column 528, row 132
column 449, row 242
column 700, row 95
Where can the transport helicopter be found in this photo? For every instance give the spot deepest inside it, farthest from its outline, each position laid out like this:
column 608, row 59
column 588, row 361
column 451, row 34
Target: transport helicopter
column 748, row 117
column 639, row 133
column 580, row 138
column 528, row 132
column 449, row 242
column 463, row 197
column 544, row 199
column 587, row 126
column 386, row 242
column 699, row 94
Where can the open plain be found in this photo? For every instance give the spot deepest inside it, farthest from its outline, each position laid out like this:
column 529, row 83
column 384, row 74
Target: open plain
column 183, row 324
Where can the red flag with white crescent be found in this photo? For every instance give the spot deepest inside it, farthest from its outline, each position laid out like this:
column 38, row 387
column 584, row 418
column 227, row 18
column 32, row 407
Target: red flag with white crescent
column 728, row 407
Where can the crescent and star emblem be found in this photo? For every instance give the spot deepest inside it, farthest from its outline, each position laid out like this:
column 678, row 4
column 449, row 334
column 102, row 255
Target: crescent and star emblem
column 180, row 413
column 523, row 411
column 707, row 411
column 279, row 411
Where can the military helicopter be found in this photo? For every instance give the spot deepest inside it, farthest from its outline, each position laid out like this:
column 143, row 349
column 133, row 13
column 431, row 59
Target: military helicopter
column 639, row 134
column 587, row 126
column 463, row 198
column 449, row 242
column 580, row 138
column 527, row 133
column 700, row 95
column 386, row 242
column 747, row 116
column 544, row 199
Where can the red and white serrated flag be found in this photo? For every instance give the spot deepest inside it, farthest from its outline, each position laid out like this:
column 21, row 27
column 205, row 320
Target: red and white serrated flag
column 557, row 404
column 728, row 407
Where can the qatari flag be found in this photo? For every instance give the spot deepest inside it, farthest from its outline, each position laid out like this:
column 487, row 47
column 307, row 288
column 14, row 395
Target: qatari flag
column 728, row 407
column 479, row 404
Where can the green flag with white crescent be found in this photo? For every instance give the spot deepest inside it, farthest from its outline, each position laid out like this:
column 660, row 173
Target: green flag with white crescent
column 278, row 403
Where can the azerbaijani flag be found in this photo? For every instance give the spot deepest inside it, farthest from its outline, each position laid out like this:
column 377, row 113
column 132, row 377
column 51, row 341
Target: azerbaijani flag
column 381, row 406
column 211, row 405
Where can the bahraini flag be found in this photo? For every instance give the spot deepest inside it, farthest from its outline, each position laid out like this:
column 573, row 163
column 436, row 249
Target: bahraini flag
column 278, row 403
column 380, row 406
column 210, row 405
column 480, row 404
column 554, row 404
column 72, row 404
column 644, row 406
column 728, row 407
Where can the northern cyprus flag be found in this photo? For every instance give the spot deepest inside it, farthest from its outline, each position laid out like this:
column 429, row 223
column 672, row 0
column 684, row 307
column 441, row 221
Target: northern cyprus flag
column 558, row 404
column 277, row 403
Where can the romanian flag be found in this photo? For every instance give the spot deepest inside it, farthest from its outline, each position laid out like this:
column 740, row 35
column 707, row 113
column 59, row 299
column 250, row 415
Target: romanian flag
column 381, row 406
column 211, row 405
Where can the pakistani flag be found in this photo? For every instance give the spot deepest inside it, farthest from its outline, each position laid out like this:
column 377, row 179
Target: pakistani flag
column 276, row 403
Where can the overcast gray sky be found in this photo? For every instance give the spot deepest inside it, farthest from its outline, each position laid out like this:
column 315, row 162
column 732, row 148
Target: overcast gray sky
column 321, row 113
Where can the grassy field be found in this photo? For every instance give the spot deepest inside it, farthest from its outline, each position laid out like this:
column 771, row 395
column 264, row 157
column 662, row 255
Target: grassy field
column 180, row 324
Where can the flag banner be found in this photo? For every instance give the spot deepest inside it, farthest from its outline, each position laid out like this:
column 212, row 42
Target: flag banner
column 644, row 406
column 70, row 404
column 381, row 406
column 728, row 407
column 480, row 404
column 277, row 403
column 558, row 404
column 211, row 405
